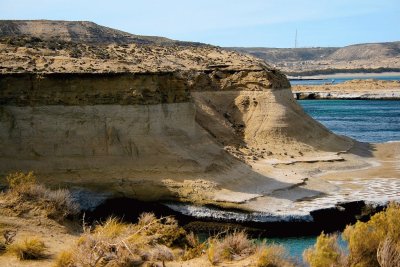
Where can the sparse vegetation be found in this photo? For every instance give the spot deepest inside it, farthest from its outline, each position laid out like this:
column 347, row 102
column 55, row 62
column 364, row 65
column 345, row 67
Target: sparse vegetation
column 326, row 252
column 365, row 238
column 115, row 243
column 372, row 243
column 233, row 246
column 25, row 195
column 273, row 256
column 28, row 249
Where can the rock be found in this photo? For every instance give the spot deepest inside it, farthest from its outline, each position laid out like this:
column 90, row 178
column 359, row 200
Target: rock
column 157, row 129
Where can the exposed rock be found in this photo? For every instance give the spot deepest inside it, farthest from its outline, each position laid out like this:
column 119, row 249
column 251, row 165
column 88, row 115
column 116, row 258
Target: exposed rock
column 159, row 122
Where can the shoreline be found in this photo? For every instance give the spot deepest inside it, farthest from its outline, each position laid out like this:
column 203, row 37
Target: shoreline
column 313, row 95
column 346, row 75
column 330, row 219
column 352, row 89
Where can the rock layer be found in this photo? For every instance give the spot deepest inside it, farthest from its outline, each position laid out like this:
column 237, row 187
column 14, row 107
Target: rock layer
column 162, row 122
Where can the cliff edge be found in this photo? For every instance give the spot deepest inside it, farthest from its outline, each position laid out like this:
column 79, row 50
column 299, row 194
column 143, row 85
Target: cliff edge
column 179, row 122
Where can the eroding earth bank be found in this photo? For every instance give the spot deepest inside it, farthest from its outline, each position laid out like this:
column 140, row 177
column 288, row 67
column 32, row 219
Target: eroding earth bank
column 188, row 124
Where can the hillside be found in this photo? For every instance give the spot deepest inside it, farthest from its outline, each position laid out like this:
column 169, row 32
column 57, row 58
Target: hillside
column 78, row 32
column 376, row 57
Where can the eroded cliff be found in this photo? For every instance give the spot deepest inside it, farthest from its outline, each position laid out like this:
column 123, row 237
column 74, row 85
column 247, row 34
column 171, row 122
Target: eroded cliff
column 177, row 122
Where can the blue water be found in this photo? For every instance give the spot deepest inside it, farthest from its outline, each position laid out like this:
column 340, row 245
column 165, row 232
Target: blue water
column 373, row 121
column 295, row 246
column 344, row 79
column 364, row 120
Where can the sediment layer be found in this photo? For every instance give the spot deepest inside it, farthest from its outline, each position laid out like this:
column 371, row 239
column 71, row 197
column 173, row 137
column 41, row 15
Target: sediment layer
column 188, row 123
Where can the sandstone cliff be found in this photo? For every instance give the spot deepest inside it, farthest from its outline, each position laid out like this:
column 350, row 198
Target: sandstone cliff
column 174, row 122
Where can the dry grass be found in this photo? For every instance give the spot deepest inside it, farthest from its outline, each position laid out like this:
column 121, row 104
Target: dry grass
column 388, row 253
column 273, row 256
column 64, row 259
column 28, row 249
column 193, row 248
column 25, row 195
column 233, row 246
column 114, row 243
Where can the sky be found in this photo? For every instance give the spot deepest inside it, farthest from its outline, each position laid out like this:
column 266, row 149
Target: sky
column 248, row 23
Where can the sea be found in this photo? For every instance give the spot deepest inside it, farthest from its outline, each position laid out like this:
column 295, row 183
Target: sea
column 375, row 121
column 342, row 79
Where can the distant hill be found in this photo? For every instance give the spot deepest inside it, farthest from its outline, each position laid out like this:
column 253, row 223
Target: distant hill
column 382, row 56
column 77, row 31
column 352, row 52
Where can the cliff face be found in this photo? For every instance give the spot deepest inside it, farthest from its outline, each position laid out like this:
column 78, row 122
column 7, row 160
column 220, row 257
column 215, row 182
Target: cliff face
column 198, row 124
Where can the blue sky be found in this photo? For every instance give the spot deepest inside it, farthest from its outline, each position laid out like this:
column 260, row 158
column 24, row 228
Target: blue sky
column 230, row 22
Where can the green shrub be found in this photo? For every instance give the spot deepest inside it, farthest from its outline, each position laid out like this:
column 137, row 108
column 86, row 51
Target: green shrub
column 364, row 238
column 326, row 252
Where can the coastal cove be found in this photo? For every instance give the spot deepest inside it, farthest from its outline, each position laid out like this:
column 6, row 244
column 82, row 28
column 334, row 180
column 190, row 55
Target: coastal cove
column 373, row 121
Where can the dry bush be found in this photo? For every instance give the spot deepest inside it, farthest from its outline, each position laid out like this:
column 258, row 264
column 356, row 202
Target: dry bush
column 273, row 256
column 112, row 228
column 193, row 248
column 64, row 259
column 325, row 253
column 29, row 249
column 26, row 195
column 19, row 179
column 233, row 246
column 114, row 243
column 8, row 239
column 388, row 253
column 364, row 238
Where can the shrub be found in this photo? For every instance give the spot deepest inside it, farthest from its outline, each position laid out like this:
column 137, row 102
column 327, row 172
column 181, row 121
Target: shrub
column 326, row 252
column 193, row 248
column 112, row 228
column 364, row 238
column 388, row 254
column 64, row 259
column 114, row 243
column 233, row 246
column 273, row 256
column 20, row 179
column 29, row 249
column 26, row 195
column 372, row 243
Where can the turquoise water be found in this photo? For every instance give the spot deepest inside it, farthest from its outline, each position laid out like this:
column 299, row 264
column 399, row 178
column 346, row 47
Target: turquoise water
column 344, row 79
column 364, row 120
column 373, row 121
column 295, row 246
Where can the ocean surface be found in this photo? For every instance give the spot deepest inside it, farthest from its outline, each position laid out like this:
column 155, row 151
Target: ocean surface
column 374, row 121
column 365, row 120
column 343, row 79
